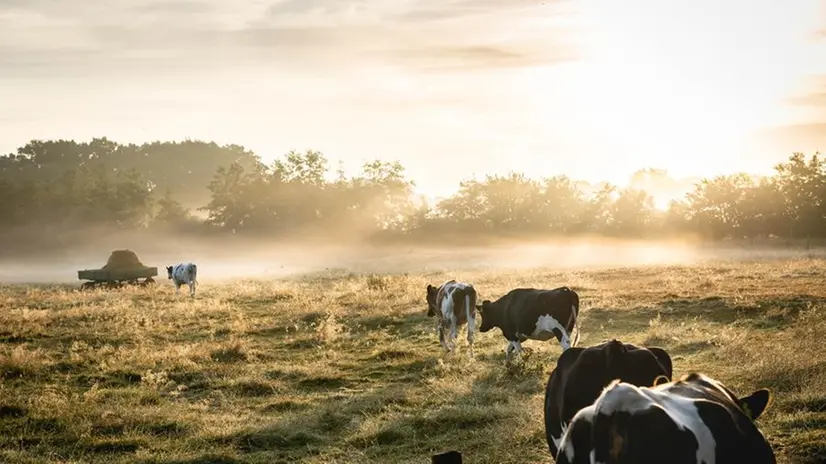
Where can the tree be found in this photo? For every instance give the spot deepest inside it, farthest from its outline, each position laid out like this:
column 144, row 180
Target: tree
column 170, row 213
column 631, row 213
column 802, row 183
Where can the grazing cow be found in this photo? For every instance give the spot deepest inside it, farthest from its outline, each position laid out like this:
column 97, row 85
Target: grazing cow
column 694, row 420
column 449, row 457
column 530, row 313
column 581, row 374
column 453, row 304
column 183, row 274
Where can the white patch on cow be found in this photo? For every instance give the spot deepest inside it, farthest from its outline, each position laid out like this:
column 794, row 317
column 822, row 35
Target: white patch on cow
column 558, row 440
column 683, row 411
column 544, row 331
column 184, row 274
column 566, row 446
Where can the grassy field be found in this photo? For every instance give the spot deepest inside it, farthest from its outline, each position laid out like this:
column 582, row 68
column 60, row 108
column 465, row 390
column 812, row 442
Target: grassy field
column 347, row 368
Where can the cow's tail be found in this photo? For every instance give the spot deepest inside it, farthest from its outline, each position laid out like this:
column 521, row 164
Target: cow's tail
column 461, row 296
column 470, row 305
column 465, row 296
column 575, row 315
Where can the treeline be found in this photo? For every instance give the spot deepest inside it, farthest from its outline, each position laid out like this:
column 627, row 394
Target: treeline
column 203, row 187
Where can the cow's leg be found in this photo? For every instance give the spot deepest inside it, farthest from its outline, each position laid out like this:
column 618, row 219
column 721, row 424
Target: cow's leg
column 471, row 328
column 509, row 350
column 177, row 288
column 514, row 347
column 191, row 288
column 440, row 329
column 564, row 340
column 454, row 332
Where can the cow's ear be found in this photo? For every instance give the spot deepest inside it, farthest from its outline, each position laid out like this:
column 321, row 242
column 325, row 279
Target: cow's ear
column 755, row 404
column 429, row 288
column 661, row 379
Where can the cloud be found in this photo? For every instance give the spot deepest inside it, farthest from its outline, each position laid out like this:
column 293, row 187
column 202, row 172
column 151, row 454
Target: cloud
column 48, row 37
column 805, row 138
column 816, row 97
column 813, row 99
column 477, row 57
column 453, row 9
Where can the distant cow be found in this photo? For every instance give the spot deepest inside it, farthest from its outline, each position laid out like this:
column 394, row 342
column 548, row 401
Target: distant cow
column 530, row 313
column 582, row 373
column 453, row 304
column 183, row 274
column 694, row 420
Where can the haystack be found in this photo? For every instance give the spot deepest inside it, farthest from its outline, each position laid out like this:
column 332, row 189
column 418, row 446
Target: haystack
column 123, row 259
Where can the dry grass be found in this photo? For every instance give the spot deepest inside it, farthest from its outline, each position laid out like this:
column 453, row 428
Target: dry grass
column 344, row 368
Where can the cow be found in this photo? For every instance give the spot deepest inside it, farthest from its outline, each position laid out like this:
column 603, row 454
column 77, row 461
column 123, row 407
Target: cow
column 453, row 304
column 581, row 374
column 183, row 274
column 536, row 314
column 693, row 420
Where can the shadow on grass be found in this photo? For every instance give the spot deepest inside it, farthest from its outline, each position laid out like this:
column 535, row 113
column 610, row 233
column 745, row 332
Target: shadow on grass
column 210, row 458
column 392, row 420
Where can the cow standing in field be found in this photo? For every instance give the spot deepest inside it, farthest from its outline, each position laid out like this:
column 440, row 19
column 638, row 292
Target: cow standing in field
column 183, row 274
column 453, row 304
column 696, row 420
column 581, row 374
column 535, row 314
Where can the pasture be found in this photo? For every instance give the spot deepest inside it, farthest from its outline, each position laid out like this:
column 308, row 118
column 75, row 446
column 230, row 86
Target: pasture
column 347, row 368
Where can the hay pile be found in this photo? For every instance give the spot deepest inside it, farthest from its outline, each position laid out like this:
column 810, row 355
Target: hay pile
column 123, row 259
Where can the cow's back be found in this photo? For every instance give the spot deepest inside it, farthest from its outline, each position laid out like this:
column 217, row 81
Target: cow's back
column 461, row 295
column 680, row 422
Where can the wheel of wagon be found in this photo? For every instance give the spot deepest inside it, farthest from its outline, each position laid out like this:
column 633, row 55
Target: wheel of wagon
column 113, row 284
column 147, row 282
column 87, row 286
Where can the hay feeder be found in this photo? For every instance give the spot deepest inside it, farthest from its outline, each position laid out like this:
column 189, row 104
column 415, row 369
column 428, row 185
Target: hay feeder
column 123, row 267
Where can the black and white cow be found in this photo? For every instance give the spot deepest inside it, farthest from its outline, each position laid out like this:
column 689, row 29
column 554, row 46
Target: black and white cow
column 453, row 304
column 695, row 420
column 535, row 314
column 183, row 274
column 581, row 374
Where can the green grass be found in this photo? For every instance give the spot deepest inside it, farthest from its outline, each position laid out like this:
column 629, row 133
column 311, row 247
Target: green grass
column 334, row 368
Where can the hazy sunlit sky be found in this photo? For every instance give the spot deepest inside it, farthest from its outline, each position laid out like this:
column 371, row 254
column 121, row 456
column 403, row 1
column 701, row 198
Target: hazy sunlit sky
column 595, row 89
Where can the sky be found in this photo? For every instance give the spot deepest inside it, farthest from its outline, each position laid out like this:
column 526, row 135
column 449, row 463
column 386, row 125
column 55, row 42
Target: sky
column 453, row 89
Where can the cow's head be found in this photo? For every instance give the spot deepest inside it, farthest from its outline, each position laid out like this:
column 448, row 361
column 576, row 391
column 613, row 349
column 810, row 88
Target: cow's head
column 488, row 318
column 169, row 272
column 432, row 293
